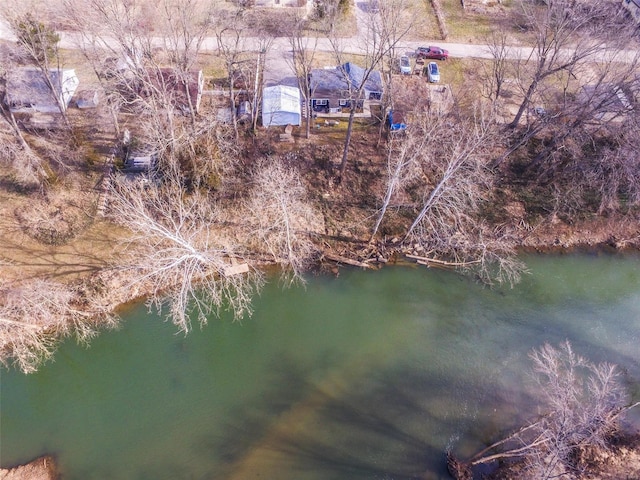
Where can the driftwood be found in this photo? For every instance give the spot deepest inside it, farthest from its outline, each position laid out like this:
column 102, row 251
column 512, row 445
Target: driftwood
column 428, row 261
column 457, row 469
column 462, row 470
column 236, row 269
column 345, row 260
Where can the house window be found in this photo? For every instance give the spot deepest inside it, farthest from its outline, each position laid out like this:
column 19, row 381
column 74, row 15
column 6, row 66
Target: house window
column 322, row 102
column 344, row 103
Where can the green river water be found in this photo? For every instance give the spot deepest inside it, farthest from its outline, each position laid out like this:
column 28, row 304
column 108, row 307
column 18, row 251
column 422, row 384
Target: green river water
column 371, row 375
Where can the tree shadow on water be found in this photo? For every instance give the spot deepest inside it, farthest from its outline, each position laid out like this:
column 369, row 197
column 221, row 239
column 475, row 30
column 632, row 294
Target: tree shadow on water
column 365, row 430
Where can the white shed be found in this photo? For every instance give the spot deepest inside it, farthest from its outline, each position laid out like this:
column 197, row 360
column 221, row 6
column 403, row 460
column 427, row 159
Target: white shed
column 281, row 106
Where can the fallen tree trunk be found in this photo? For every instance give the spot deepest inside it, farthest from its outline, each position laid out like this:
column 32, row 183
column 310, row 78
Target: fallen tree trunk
column 457, row 469
column 434, row 261
column 340, row 259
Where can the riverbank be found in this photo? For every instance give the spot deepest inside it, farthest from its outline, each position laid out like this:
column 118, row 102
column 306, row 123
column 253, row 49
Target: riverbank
column 42, row 468
column 621, row 461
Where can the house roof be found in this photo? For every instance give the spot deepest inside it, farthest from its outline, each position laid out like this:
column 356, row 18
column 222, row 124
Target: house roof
column 27, row 86
column 341, row 79
column 356, row 75
column 281, row 98
column 609, row 98
column 627, row 3
column 184, row 89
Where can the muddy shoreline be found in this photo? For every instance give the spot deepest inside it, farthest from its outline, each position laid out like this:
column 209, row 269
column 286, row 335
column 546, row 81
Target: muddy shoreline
column 42, row 468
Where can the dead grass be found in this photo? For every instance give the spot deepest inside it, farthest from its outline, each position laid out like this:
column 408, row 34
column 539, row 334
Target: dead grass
column 328, row 59
column 475, row 23
column 74, row 58
column 24, row 256
column 419, row 21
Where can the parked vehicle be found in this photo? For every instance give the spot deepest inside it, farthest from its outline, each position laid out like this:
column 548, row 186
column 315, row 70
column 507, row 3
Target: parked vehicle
column 432, row 53
column 433, row 72
column 405, row 65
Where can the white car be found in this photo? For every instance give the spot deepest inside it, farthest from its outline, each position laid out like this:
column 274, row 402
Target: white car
column 405, row 65
column 433, row 72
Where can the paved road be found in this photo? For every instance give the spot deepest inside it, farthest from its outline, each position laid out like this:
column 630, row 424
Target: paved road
column 278, row 61
column 279, row 56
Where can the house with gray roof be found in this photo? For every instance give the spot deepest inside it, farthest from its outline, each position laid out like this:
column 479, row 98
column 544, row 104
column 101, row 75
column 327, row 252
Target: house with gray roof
column 183, row 90
column 335, row 88
column 29, row 91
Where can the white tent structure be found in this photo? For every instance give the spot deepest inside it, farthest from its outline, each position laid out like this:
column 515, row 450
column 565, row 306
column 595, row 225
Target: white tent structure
column 281, row 106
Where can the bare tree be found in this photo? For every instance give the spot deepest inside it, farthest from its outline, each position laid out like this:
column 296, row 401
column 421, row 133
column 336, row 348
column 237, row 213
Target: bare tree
column 186, row 24
column 36, row 314
column 395, row 17
column 495, row 74
column 282, row 216
column 581, row 156
column 38, row 44
column 229, row 31
column 404, row 152
column 566, row 36
column 456, row 182
column 178, row 256
column 115, row 38
column 581, row 404
column 583, row 401
column 382, row 35
column 151, row 71
column 303, row 50
column 25, row 162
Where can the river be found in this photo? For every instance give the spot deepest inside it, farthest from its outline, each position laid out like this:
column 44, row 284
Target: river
column 371, row 375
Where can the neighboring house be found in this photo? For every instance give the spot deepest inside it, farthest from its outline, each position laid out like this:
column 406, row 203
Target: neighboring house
column 183, row 91
column 610, row 102
column 281, row 106
column 28, row 91
column 332, row 88
column 634, row 8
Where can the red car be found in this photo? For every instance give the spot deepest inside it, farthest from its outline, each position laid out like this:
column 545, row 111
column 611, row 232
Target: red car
column 433, row 53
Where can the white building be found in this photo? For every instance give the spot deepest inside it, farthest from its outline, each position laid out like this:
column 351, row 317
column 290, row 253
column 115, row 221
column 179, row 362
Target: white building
column 281, row 106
